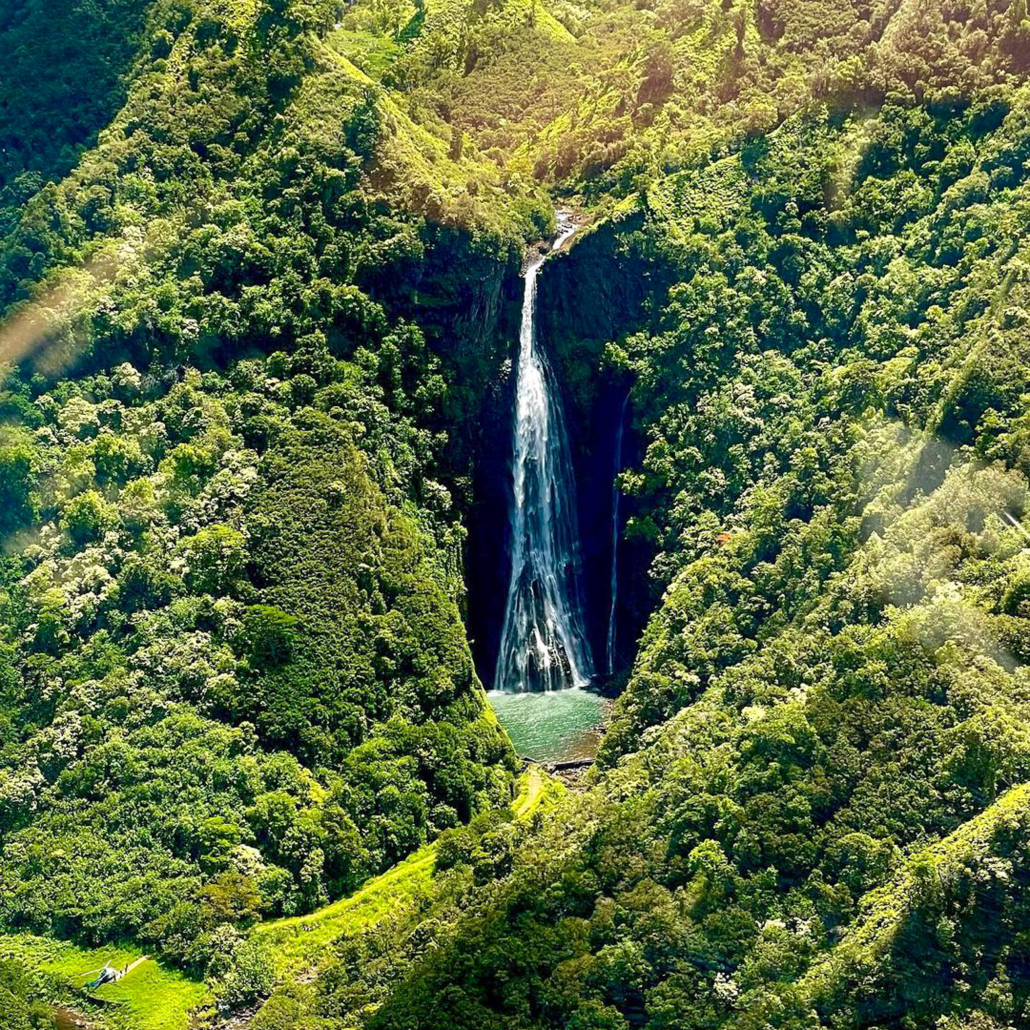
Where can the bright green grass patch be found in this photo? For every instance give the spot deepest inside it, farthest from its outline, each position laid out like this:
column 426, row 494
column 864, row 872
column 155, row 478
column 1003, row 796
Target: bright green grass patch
column 297, row 943
column 156, row 998
column 149, row 997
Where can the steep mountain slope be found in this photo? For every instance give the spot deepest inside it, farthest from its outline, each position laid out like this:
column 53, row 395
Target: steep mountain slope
column 606, row 95
column 46, row 120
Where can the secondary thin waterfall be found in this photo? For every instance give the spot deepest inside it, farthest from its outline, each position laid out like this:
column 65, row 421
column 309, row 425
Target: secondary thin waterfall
column 543, row 641
column 616, row 499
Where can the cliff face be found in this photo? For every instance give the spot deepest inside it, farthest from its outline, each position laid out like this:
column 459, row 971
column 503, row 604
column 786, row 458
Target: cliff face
column 591, row 294
column 594, row 294
column 464, row 295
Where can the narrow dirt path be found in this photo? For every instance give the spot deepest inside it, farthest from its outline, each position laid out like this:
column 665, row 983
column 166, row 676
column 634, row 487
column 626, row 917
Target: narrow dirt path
column 132, row 965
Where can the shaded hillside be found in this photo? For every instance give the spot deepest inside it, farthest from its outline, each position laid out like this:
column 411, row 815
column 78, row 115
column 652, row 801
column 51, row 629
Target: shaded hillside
column 63, row 78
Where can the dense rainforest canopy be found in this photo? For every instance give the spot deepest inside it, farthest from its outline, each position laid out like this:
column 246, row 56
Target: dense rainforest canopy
column 259, row 279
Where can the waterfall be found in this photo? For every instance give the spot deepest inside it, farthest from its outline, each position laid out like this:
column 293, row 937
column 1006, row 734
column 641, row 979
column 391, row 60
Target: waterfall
column 543, row 640
column 616, row 498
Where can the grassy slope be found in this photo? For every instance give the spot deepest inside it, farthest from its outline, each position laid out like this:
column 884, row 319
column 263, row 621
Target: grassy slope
column 413, row 166
column 300, row 941
column 150, row 997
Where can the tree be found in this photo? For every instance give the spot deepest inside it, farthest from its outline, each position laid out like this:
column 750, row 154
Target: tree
column 86, row 517
column 18, row 480
column 214, row 559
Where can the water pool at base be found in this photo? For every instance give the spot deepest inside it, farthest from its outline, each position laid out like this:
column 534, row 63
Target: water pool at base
column 551, row 726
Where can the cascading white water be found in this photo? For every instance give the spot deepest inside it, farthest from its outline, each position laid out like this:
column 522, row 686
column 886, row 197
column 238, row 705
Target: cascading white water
column 616, row 498
column 543, row 640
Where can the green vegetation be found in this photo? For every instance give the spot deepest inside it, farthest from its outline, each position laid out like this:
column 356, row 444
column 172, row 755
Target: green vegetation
column 153, row 996
column 608, row 96
column 20, row 1008
column 296, row 944
column 240, row 690
column 150, row 997
column 47, row 120
column 258, row 276
column 234, row 681
column 802, row 818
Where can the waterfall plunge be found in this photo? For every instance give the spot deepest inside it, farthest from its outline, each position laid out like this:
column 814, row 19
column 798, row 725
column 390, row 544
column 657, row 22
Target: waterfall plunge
column 543, row 641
